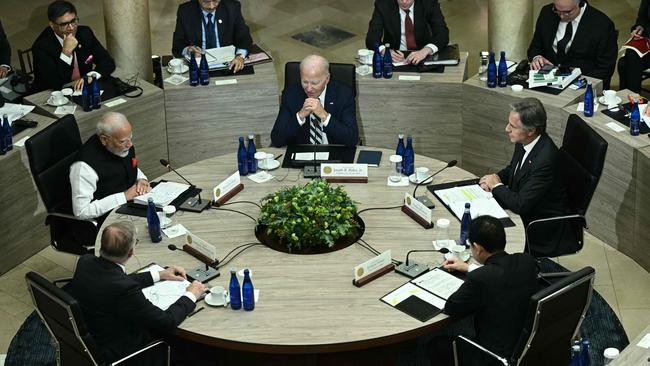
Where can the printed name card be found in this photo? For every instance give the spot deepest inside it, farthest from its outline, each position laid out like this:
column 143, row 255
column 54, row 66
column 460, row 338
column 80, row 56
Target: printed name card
column 227, row 189
column 201, row 246
column 417, row 210
column 373, row 269
column 351, row 173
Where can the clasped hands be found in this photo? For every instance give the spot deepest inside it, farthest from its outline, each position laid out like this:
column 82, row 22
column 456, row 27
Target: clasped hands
column 176, row 273
column 140, row 187
column 487, row 182
column 414, row 58
column 312, row 106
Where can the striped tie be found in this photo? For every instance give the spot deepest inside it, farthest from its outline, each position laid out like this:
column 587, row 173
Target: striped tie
column 315, row 131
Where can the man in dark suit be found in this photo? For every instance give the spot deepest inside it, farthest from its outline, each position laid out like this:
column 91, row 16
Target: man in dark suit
column 497, row 293
column 573, row 33
column 118, row 315
column 196, row 30
column 528, row 185
column 319, row 111
column 5, row 53
column 415, row 25
column 66, row 51
column 631, row 66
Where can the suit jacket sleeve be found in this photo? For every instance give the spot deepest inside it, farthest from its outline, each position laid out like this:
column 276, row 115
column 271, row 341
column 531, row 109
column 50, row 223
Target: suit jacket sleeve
column 536, row 44
column 466, row 300
column 143, row 279
column 5, row 48
column 606, row 54
column 438, row 27
column 344, row 130
column 538, row 183
column 242, row 36
column 642, row 18
column 286, row 129
column 375, row 28
column 179, row 39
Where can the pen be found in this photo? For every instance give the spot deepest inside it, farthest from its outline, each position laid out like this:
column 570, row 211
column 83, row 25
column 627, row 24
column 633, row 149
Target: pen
column 279, row 156
column 196, row 311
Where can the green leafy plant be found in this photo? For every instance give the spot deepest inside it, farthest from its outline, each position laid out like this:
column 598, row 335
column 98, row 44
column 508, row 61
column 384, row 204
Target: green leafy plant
column 313, row 215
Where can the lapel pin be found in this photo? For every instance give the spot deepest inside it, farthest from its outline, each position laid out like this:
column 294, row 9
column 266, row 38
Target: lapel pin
column 331, row 103
column 219, row 21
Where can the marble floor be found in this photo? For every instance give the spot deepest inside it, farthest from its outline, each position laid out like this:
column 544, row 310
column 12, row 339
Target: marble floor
column 274, row 23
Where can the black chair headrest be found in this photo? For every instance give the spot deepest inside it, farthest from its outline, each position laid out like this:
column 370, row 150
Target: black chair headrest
column 341, row 73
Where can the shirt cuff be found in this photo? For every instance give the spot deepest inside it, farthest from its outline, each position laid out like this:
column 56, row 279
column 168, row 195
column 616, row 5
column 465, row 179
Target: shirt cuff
column 433, row 48
column 496, row 185
column 300, row 122
column 65, row 58
column 155, row 275
column 536, row 57
column 327, row 120
column 241, row 51
column 6, row 67
column 190, row 296
column 473, row 266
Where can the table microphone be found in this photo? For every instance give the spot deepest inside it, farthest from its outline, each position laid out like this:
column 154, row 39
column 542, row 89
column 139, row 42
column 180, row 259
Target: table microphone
column 413, row 269
column 193, row 205
column 424, row 199
column 173, row 247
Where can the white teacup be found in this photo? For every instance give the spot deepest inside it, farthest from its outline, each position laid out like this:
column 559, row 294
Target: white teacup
column 57, row 97
column 176, row 65
column 268, row 162
column 365, row 56
column 217, row 296
column 610, row 97
column 421, row 173
column 67, row 91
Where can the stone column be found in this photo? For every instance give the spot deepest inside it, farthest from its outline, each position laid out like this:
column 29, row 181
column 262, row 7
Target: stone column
column 510, row 27
column 128, row 36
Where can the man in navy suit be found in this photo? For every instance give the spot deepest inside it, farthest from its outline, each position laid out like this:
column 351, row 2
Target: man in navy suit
column 211, row 23
column 528, row 185
column 319, row 111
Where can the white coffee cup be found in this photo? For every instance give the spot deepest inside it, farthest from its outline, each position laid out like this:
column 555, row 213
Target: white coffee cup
column 57, row 97
column 176, row 65
column 269, row 160
column 421, row 173
column 217, row 296
column 610, row 97
column 67, row 91
column 365, row 56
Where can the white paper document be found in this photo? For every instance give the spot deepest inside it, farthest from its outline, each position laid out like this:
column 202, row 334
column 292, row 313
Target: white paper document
column 405, row 291
column 482, row 202
column 218, row 57
column 164, row 293
column 163, row 193
column 15, row 111
column 439, row 283
column 307, row 156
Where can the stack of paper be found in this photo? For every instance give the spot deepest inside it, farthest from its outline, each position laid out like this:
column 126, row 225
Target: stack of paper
column 482, row 202
column 15, row 111
column 163, row 193
column 164, row 293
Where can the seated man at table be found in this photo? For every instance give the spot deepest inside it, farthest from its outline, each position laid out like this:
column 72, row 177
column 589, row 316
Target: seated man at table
column 196, row 30
column 118, row 315
column 5, row 53
column 573, row 33
column 66, row 51
column 106, row 172
column 414, row 25
column 529, row 185
column 630, row 67
column 319, row 111
column 496, row 293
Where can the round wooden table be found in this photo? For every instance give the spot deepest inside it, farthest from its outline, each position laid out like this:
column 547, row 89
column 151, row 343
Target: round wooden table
column 307, row 304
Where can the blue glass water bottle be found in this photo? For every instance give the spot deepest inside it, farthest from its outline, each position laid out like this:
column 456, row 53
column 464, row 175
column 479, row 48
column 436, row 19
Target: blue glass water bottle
column 242, row 158
column 503, row 71
column 234, row 291
column 204, row 72
column 153, row 222
column 589, row 100
column 635, row 120
column 377, row 63
column 400, row 145
column 96, row 94
column 575, row 356
column 409, row 158
column 8, row 133
column 248, row 292
column 86, row 96
column 3, row 143
column 252, row 162
column 492, row 72
column 194, row 71
column 584, row 353
column 388, row 63
column 464, row 224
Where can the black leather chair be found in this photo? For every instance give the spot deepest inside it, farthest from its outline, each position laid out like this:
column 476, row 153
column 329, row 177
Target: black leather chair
column 51, row 152
column 552, row 322
column 63, row 317
column 341, row 73
column 580, row 165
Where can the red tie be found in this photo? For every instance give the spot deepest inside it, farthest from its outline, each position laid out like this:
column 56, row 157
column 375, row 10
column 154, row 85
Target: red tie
column 408, row 29
column 75, row 68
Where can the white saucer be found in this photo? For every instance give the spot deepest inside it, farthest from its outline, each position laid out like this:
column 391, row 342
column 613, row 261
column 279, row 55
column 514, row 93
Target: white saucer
column 601, row 100
column 274, row 165
column 184, row 69
column 414, row 180
column 50, row 102
column 216, row 300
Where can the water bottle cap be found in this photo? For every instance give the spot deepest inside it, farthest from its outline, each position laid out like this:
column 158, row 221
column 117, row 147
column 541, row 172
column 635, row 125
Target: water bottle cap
column 503, row 53
column 251, row 136
column 233, row 270
column 401, row 136
column 241, row 138
column 576, row 348
column 150, row 199
column 387, row 45
column 611, row 353
column 246, row 272
column 467, row 205
column 395, row 158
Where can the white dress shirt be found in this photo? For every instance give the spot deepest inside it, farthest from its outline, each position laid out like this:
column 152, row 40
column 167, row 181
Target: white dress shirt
column 324, row 123
column 561, row 29
column 68, row 60
column 83, row 181
column 155, row 276
column 402, row 40
column 238, row 51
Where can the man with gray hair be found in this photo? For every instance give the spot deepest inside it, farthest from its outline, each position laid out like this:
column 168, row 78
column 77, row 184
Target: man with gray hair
column 106, row 172
column 529, row 185
column 318, row 111
column 116, row 311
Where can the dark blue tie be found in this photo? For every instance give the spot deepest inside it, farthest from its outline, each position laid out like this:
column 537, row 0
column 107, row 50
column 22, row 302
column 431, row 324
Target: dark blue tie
column 210, row 39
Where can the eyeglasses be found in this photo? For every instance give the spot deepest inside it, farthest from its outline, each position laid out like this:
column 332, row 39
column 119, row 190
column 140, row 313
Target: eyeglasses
column 74, row 22
column 563, row 13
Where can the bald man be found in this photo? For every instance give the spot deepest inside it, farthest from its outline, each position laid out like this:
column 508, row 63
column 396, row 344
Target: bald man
column 106, row 172
column 573, row 33
column 319, row 111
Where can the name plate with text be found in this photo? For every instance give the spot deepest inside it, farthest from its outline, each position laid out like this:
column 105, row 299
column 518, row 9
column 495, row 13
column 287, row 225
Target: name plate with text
column 373, row 269
column 417, row 210
column 349, row 173
column 200, row 249
column 227, row 189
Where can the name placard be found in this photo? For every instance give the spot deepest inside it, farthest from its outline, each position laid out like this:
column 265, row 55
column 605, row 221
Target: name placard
column 351, row 173
column 417, row 210
column 227, row 189
column 373, row 269
column 200, row 249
